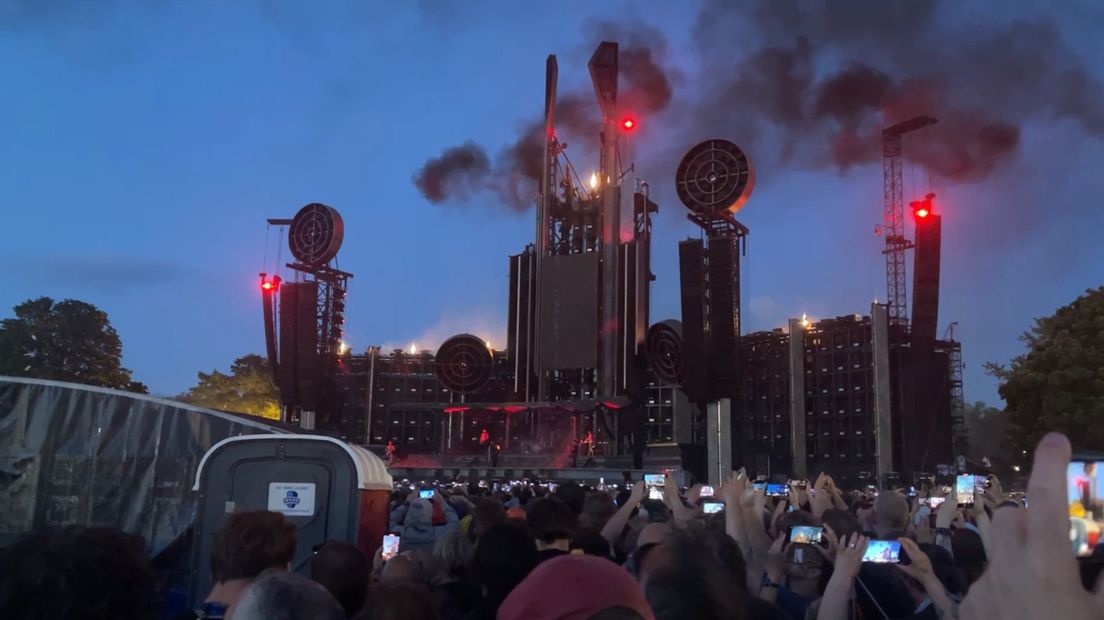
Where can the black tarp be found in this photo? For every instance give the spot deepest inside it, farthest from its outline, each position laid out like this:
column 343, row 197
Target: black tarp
column 81, row 455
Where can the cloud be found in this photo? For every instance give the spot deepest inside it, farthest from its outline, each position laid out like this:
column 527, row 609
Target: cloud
column 108, row 273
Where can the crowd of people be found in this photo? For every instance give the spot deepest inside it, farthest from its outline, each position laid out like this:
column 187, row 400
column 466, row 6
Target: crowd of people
column 533, row 552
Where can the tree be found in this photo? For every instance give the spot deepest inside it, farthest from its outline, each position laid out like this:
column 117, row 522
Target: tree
column 247, row 389
column 66, row 341
column 1058, row 385
column 987, row 428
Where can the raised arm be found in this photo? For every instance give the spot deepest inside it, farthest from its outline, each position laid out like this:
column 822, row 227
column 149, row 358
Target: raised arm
column 612, row 531
column 837, row 596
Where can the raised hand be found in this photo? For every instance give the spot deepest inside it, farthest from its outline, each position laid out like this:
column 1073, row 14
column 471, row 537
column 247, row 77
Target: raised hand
column 639, row 491
column 1032, row 571
column 850, row 555
column 694, row 494
column 776, row 559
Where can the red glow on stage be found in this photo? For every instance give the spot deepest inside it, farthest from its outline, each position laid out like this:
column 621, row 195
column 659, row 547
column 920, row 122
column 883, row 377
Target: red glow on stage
column 456, row 409
column 922, row 213
column 270, row 286
column 629, row 124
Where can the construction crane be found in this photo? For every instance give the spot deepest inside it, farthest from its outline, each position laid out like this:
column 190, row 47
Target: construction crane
column 895, row 242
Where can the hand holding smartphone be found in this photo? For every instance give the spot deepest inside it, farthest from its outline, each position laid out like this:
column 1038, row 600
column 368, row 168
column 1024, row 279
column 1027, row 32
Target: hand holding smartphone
column 964, row 490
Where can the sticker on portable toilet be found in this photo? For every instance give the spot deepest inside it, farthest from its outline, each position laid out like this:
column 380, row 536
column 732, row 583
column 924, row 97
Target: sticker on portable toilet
column 295, row 499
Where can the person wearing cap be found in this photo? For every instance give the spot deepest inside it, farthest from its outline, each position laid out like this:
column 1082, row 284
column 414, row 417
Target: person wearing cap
column 576, row 587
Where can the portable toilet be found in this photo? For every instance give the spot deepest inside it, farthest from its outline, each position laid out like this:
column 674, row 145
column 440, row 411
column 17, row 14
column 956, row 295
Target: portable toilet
column 330, row 489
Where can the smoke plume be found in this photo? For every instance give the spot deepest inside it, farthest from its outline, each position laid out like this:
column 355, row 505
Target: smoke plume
column 458, row 170
column 812, row 85
column 516, row 174
column 822, row 80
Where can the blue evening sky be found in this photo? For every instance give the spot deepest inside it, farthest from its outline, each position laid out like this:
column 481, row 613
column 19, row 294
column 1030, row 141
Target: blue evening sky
column 145, row 143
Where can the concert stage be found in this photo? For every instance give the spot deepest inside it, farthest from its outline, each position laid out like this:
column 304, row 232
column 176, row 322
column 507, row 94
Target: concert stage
column 612, row 469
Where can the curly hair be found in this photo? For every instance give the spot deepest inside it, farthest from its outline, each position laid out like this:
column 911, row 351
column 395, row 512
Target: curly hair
column 250, row 542
column 78, row 573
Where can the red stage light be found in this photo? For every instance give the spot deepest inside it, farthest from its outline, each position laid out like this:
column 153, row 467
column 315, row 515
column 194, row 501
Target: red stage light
column 268, row 286
column 628, row 124
column 922, row 213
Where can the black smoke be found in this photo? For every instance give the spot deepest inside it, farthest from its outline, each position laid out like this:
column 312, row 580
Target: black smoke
column 821, row 80
column 457, row 170
column 812, row 85
column 515, row 176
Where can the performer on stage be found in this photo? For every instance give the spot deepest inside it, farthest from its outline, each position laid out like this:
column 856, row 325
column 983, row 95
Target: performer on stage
column 588, row 443
column 390, row 452
column 484, row 437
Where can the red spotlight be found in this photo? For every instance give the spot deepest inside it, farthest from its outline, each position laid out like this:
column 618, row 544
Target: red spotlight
column 270, row 286
column 922, row 212
column 628, row 124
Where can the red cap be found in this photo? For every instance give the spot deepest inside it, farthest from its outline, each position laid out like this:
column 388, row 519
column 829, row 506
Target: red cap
column 574, row 587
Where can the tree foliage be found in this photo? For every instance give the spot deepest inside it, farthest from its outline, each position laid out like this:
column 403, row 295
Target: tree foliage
column 1058, row 385
column 65, row 341
column 247, row 389
column 987, row 428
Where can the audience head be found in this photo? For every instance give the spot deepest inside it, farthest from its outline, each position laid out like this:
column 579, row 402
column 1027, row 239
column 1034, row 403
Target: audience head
column 891, row 514
column 551, row 520
column 344, row 570
column 280, row 595
column 76, row 572
column 486, row 514
column 573, row 495
column 453, row 551
column 400, row 601
column 842, row 522
column 576, row 587
column 504, row 555
column 597, row 510
column 690, row 581
column 251, row 542
column 969, row 554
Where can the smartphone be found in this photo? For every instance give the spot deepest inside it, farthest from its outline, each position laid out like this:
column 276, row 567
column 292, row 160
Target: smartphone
column 759, row 486
column 883, row 552
column 912, row 491
column 1085, row 483
column 808, row 534
column 777, row 490
column 390, row 546
column 964, row 489
column 426, row 493
column 707, row 491
column 655, row 484
column 932, row 502
column 712, row 507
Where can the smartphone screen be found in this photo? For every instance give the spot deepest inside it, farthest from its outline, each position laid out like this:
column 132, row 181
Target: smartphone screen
column 707, row 491
column 883, row 552
column 759, row 486
column 912, row 491
column 390, row 546
column 964, row 489
column 655, row 484
column 808, row 534
column 426, row 494
column 713, row 507
column 777, row 490
column 933, row 502
column 1085, row 483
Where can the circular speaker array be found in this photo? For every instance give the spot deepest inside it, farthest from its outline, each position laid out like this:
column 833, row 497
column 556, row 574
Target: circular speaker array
column 713, row 177
column 464, row 364
column 664, row 350
column 316, row 234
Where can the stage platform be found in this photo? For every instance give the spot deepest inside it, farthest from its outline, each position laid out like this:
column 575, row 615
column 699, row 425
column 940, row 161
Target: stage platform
column 424, row 467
